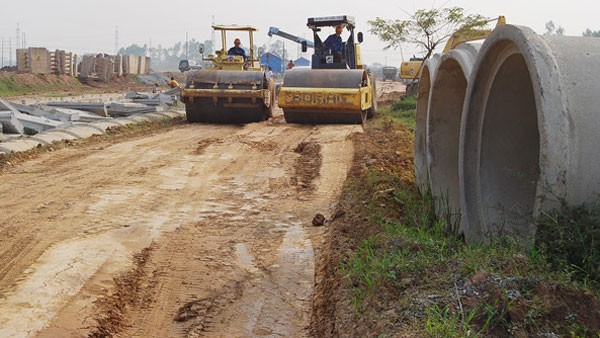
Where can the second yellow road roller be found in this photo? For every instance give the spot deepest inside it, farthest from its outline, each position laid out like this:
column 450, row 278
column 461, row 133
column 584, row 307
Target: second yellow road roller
column 337, row 88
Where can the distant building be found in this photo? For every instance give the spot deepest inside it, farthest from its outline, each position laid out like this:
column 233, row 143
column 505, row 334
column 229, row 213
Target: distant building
column 272, row 60
column 302, row 62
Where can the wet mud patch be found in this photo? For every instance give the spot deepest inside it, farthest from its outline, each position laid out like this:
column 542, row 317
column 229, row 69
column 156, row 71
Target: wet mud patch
column 112, row 308
column 203, row 144
column 307, row 166
column 197, row 315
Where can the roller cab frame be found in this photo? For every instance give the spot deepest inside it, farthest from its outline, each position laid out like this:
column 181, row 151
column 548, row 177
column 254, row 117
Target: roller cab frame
column 232, row 89
column 337, row 88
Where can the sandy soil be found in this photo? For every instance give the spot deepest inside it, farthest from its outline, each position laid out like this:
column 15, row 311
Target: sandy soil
column 389, row 92
column 198, row 231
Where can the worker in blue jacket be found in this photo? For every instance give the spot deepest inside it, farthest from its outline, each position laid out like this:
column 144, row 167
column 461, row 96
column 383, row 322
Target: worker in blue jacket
column 334, row 41
column 236, row 49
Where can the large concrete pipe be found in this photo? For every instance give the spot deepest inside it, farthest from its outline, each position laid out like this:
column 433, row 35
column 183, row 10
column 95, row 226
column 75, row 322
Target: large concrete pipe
column 443, row 126
column 425, row 83
column 529, row 135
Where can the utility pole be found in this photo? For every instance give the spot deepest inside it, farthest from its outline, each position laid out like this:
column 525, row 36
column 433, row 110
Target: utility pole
column 18, row 37
column 116, row 40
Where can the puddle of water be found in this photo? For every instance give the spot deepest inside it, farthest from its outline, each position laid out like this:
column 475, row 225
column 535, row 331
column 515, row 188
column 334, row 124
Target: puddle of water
column 296, row 249
column 114, row 197
column 244, row 258
column 176, row 177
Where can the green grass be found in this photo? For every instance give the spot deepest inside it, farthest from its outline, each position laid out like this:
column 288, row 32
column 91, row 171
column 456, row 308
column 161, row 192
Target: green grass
column 444, row 322
column 403, row 111
column 10, row 86
column 570, row 239
column 415, row 244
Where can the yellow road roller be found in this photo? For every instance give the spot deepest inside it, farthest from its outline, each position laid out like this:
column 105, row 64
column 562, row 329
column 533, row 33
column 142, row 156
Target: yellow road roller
column 233, row 89
column 337, row 88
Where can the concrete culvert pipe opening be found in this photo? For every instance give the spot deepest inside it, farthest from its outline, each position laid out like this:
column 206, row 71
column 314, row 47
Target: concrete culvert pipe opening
column 509, row 149
column 500, row 142
column 425, row 82
column 443, row 130
column 529, row 133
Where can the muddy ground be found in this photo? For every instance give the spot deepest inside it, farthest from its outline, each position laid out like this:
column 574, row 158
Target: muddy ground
column 194, row 230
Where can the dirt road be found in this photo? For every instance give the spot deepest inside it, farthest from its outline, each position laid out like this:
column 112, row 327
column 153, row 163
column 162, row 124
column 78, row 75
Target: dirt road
column 199, row 231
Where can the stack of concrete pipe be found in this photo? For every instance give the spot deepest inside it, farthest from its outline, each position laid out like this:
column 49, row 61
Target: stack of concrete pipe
column 510, row 129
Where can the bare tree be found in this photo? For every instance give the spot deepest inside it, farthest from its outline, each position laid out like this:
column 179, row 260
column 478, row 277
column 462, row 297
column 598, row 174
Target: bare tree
column 426, row 28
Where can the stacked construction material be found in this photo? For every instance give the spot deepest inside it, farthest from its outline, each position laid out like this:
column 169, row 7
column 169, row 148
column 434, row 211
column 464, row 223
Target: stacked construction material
column 37, row 60
column 19, row 119
column 104, row 67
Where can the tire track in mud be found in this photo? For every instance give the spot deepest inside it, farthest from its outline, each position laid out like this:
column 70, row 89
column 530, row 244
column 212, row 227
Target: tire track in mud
column 83, row 230
column 307, row 166
column 241, row 199
column 188, row 236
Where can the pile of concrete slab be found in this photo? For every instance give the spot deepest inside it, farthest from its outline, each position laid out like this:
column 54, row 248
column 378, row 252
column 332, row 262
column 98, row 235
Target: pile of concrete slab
column 104, row 67
column 101, row 67
column 80, row 131
column 19, row 120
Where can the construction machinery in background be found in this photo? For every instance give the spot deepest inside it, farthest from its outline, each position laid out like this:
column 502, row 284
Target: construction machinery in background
column 292, row 37
column 410, row 71
column 337, row 88
column 187, row 65
column 389, row 73
column 234, row 90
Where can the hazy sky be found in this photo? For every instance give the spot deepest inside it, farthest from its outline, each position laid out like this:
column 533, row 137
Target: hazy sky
column 88, row 26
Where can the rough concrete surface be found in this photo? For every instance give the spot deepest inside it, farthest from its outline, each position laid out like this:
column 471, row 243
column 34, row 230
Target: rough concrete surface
column 425, row 85
column 79, row 131
column 530, row 132
column 443, row 125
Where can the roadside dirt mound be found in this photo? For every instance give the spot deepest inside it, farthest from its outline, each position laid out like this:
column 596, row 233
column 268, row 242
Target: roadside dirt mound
column 40, row 79
column 382, row 147
column 524, row 304
column 390, row 92
column 13, row 84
